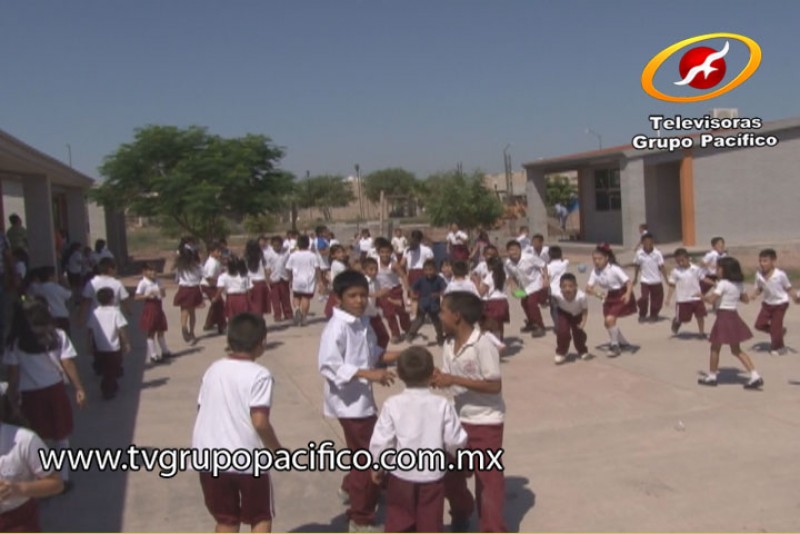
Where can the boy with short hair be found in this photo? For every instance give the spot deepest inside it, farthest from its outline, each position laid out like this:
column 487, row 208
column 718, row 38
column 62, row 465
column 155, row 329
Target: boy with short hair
column 710, row 263
column 304, row 272
column 416, row 419
column 428, row 291
column 523, row 237
column 370, row 268
column 106, row 277
column 538, row 248
column 685, row 279
column 460, row 281
column 776, row 287
column 108, row 337
column 572, row 312
column 649, row 264
column 529, row 274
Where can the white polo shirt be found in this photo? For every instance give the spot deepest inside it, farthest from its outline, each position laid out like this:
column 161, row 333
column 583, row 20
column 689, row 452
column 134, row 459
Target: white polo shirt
column 41, row 370
column 649, row 265
column 462, row 285
column 150, row 289
column 575, row 306
column 212, row 268
column 303, row 265
column 19, row 460
column 104, row 324
column 192, row 277
column 610, row 278
column 775, row 288
column 337, row 268
column 400, row 244
column 710, row 261
column 457, row 238
column 492, row 292
column 527, row 272
column 233, row 284
column 415, row 259
column 417, row 419
column 687, row 283
column 555, row 270
column 347, row 345
column 730, row 294
column 56, row 296
column 102, row 281
column 478, row 359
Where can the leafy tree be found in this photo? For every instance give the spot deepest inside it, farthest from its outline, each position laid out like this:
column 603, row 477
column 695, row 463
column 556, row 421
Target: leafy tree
column 398, row 185
column 324, row 192
column 453, row 197
column 193, row 178
column 259, row 224
column 558, row 189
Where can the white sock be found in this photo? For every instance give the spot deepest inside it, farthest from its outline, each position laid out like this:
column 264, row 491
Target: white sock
column 711, row 376
column 62, row 444
column 754, row 375
column 622, row 340
column 163, row 342
column 613, row 333
column 152, row 352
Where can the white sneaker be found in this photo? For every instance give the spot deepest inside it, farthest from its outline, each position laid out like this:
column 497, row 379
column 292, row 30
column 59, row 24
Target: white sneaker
column 779, row 352
column 355, row 527
column 586, row 356
column 559, row 359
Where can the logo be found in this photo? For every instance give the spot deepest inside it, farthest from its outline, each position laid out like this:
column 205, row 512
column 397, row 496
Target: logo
column 702, row 67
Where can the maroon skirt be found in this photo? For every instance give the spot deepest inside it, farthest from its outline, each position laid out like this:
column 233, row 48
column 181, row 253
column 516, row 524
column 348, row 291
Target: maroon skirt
column 729, row 329
column 459, row 253
column 496, row 310
column 24, row 518
column 188, row 297
column 614, row 305
column 236, row 304
column 259, row 298
column 49, row 411
column 153, row 318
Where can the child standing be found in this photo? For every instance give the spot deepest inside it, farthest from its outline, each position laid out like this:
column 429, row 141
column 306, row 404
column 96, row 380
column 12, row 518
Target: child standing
column 618, row 299
column 108, row 337
column 212, row 269
column 529, row 273
column 729, row 329
column 446, row 271
column 153, row 321
column 338, row 266
column 572, row 313
column 304, row 271
column 457, row 244
column 234, row 286
column 416, row 419
column 189, row 296
column 495, row 302
column 776, row 287
column 279, row 280
column 106, row 277
column 414, row 258
column 710, row 263
column 685, row 279
column 370, row 268
column 365, row 247
column 471, row 368
column 650, row 264
column 399, row 244
column 538, row 249
column 348, row 360
column 256, row 275
column 390, row 286
column 555, row 270
column 234, row 414
column 56, row 296
column 460, row 282
column 428, row 291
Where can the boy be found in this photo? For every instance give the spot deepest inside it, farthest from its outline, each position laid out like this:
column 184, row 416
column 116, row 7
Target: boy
column 710, row 264
column 399, row 244
column 370, row 268
column 529, row 274
column 686, row 279
column 414, row 258
column 776, row 287
column 460, row 282
column 276, row 260
column 572, row 313
column 106, row 277
column 538, row 249
column 365, row 245
column 523, row 237
column 212, row 269
column 348, row 359
column 555, row 270
column 471, row 367
column 390, row 286
column 108, row 337
column 649, row 263
column 304, row 272
column 234, row 414
column 416, row 419
column 428, row 291
column 338, row 266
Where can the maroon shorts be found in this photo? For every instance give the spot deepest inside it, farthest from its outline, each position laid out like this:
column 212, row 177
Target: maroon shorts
column 24, row 518
column 153, row 319
column 729, row 329
column 188, row 297
column 236, row 304
column 614, row 305
column 496, row 310
column 694, row 308
column 234, row 498
column 48, row 411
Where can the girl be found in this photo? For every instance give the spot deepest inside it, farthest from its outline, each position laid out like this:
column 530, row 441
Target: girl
column 457, row 242
column 483, row 241
column 23, row 480
column 39, row 358
column 211, row 271
column 618, row 300
column 55, row 294
column 234, row 285
column 729, row 329
column 189, row 296
column 365, row 245
column 495, row 302
column 338, row 265
column 446, row 271
column 73, row 264
column 259, row 291
column 153, row 321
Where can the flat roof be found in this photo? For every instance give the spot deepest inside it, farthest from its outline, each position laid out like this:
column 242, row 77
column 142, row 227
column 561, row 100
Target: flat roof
column 63, row 174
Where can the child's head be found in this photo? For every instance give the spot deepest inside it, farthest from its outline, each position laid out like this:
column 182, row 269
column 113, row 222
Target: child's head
column 682, row 257
column 537, row 241
column 454, row 227
column 446, row 268
column 569, row 286
column 523, row 230
column 32, row 327
column 718, row 244
column 254, row 256
column 556, row 253
column 648, row 242
column 46, row 274
column 99, row 245
column 429, row 268
column 321, row 231
column 729, row 269
column 149, row 271
column 460, row 269
column 490, row 251
column 277, row 243
column 385, row 251
column 237, row 266
column 370, row 267
column 398, row 232
column 460, row 309
column 603, row 255
column 415, row 367
column 365, row 233
column 303, row 242
column 337, row 252
column 107, row 266
column 247, row 334
column 215, row 249
column 352, row 289
column 416, row 238
column 514, row 250
column 767, row 259
column 105, row 296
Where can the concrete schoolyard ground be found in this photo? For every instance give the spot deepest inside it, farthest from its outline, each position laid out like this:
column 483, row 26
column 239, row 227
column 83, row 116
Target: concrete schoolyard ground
column 625, row 444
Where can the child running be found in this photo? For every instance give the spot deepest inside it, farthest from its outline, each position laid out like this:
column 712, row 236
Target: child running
column 685, row 280
column 370, row 268
column 710, row 263
column 460, row 281
column 56, row 295
column 234, row 286
column 153, row 321
column 618, row 299
column 279, row 290
column 495, row 301
column 776, row 288
column 109, row 341
column 573, row 312
column 555, row 270
column 529, row 275
column 650, row 265
column 257, row 277
column 304, row 272
column 428, row 291
column 212, row 269
column 338, row 266
column 391, row 288
column 189, row 296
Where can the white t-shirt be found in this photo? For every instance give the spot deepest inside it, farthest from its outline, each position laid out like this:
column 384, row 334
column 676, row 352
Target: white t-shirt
column 19, row 460
column 56, row 296
column 42, row 370
column 150, row 289
column 76, row 264
column 610, row 278
column 524, row 241
column 258, row 275
column 462, row 285
column 543, row 255
column 730, row 293
column 276, row 265
column 289, row 245
column 387, row 277
column 687, row 283
column 303, row 264
column 104, row 324
column 415, row 259
column 400, row 244
column 230, row 390
column 192, row 277
column 233, row 284
column 555, row 270
column 457, row 238
column 575, row 306
column 710, row 261
column 478, row 359
column 775, row 288
column 527, row 272
column 417, row 419
column 337, row 268
column 649, row 266
column 492, row 293
column 102, row 281
column 481, row 270
column 212, row 268
column 372, row 309
column 365, row 245
column 96, row 257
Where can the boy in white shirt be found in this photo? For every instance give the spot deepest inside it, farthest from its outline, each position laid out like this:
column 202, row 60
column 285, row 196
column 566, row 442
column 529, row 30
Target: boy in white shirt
column 457, row 243
column 529, row 274
column 685, row 279
column 106, row 277
column 460, row 282
column 413, row 261
column 55, row 294
column 555, row 270
column 108, row 336
column 573, row 312
column 399, row 244
column 710, row 263
column 348, row 361
column 538, row 249
column 365, row 244
column 419, row 420
column 523, row 238
column 776, row 287
column 278, row 280
column 234, row 414
column 304, row 272
column 370, row 268
column 212, row 270
column 649, row 264
column 338, row 266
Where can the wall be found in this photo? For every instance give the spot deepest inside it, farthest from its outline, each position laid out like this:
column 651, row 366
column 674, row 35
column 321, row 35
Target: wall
column 13, row 201
column 597, row 225
column 663, row 201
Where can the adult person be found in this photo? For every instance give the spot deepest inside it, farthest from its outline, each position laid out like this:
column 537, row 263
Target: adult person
column 17, row 234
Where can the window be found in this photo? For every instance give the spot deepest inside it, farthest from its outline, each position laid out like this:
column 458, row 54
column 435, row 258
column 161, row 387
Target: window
column 606, row 190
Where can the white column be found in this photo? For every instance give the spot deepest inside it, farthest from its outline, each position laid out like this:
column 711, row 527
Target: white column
column 39, row 223
column 537, row 209
column 634, row 212
column 77, row 216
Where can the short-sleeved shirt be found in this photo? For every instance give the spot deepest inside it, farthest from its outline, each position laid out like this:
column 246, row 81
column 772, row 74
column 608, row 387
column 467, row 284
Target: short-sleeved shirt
column 687, row 283
column 212, row 268
column 710, row 261
column 775, row 288
column 276, row 264
column 19, row 460
column 610, row 278
column 233, row 284
column 426, row 288
column 303, row 265
column 230, row 392
column 337, row 268
column 649, row 265
column 42, row 370
column 150, row 289
column 457, row 238
column 387, row 277
column 416, row 258
column 575, row 306
column 492, row 292
column 463, row 285
column 56, row 296
column 730, row 293
column 555, row 270
column 191, row 277
column 400, row 244
column 527, row 272
column 365, row 245
column 102, row 281
column 104, row 324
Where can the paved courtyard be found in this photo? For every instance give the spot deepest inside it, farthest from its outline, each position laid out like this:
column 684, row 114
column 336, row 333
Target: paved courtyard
column 625, row 444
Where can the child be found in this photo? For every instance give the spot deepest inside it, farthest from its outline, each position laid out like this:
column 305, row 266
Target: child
column 20, row 267
column 460, row 282
column 234, row 286
column 495, row 302
column 40, row 358
column 106, row 277
column 482, row 269
column 108, row 337
column 457, row 244
column 100, row 253
column 153, row 321
column 233, row 414
column 414, row 258
column 338, row 266
column 710, row 263
column 399, row 244
column 290, row 244
column 189, row 296
column 348, row 360
column 471, row 368
column 389, row 284
column 776, row 287
column 74, row 265
column 538, row 249
column 446, row 271
column 686, row 279
column 572, row 313
column 322, row 247
column 428, row 291
column 56, row 296
column 618, row 300
column 523, row 238
column 212, row 269
column 729, row 329
column 370, row 269
column 650, row 264
column 278, row 280
column 304, row 271
column 529, row 274
column 365, row 243
column 556, row 268
column 419, row 420
column 257, row 278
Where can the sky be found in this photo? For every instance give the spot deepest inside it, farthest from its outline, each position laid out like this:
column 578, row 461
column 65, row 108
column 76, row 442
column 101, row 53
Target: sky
column 416, row 84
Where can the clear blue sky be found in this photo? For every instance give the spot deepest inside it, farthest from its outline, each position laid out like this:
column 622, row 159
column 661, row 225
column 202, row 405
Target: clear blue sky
column 417, row 84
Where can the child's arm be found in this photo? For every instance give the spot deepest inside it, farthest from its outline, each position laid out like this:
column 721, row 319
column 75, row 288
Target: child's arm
column 744, row 297
column 125, row 340
column 383, row 376
column 635, row 274
column 663, row 270
column 45, row 486
column 584, row 319
column 260, row 420
column 628, row 290
column 443, row 380
column 72, row 373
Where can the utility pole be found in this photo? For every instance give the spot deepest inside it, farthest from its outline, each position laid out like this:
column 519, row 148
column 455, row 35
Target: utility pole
column 69, row 153
column 509, row 176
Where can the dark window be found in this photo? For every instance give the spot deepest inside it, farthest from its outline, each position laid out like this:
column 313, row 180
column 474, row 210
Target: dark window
column 606, row 190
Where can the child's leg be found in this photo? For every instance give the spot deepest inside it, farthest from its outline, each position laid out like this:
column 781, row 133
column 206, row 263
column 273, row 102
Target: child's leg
column 763, row 319
column 192, row 321
column 563, row 337
column 579, row 336
column 776, row 326
column 613, row 331
column 737, row 351
column 162, row 341
column 111, row 372
column 305, row 304
column 185, row 320
column 429, row 507
column 701, row 325
column 391, row 319
column 416, row 324
column 533, row 312
column 402, row 314
column 461, row 502
column 152, row 351
column 643, row 300
column 275, row 301
column 713, row 364
column 554, row 313
column 401, row 506
column 437, row 326
column 380, row 331
column 656, row 300
column 490, row 491
column 363, row 492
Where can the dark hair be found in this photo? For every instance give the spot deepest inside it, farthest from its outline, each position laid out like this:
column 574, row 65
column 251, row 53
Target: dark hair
column 43, row 274
column 416, row 236
column 468, row 305
column 415, row 366
column 187, row 259
column 768, row 253
column 335, row 248
column 495, row 265
column 368, row 261
column 14, row 218
column 349, row 279
column 99, row 245
column 605, row 250
column 32, row 327
column 429, row 263
column 731, row 269
column 483, row 236
column 446, row 262
column 237, row 266
column 10, row 416
column 647, row 235
column 365, row 231
column 71, row 249
column 246, row 332
column 715, row 240
column 681, row 252
column 555, row 253
column 320, row 229
column 381, row 243
column 537, row 236
column 512, row 243
column 106, row 265
column 105, row 296
column 303, row 242
column 276, row 240
column 460, row 268
column 214, row 246
column 567, row 277
column 149, row 266
column 254, row 256
column 490, row 247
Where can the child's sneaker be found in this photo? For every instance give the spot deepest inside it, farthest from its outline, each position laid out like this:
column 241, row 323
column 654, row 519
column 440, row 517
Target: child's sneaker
column 758, row 383
column 614, row 351
column 707, row 380
column 779, row 352
column 676, row 325
column 298, row 316
column 559, row 359
column 586, row 356
column 355, row 527
column 344, row 497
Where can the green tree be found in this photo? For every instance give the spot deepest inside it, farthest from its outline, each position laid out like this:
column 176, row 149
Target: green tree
column 453, row 197
column 194, row 179
column 398, row 185
column 324, row 192
column 558, row 189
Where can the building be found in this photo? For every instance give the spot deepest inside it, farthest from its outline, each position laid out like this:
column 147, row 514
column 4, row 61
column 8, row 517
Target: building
column 749, row 195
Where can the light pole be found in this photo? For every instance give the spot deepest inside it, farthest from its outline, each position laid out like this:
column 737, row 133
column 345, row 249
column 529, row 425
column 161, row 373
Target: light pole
column 509, row 177
column 69, row 152
column 599, row 137
column 360, row 195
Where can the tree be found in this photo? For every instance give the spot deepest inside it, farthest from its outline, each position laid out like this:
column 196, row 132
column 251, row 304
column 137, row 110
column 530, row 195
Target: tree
column 558, row 189
column 324, row 192
column 453, row 197
column 398, row 185
column 194, row 179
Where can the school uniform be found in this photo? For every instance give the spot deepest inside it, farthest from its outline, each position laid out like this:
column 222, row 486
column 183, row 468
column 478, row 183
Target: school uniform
column 524, row 242
column 400, row 245
column 416, row 419
column 458, row 245
column 374, row 314
column 303, row 265
column 543, row 254
column 189, row 294
column 56, row 296
column 462, row 285
column 153, row 320
column 495, row 304
column 337, row 267
column 259, row 291
column 104, row 326
column 527, row 273
column 555, row 270
column 428, row 291
column 348, row 345
column 278, row 284
column 481, row 270
column 387, row 278
column 215, row 318
column 688, row 298
column 20, row 462
column 235, row 288
column 773, row 308
column 102, row 281
column 415, row 260
column 613, row 279
column 45, row 403
column 76, row 270
column 482, row 415
column 568, row 321
column 729, row 328
column 650, row 264
column 710, row 269
column 231, row 391
column 321, row 248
